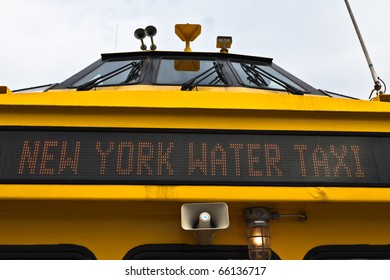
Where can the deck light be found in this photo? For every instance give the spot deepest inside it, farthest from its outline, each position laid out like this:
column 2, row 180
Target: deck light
column 257, row 221
column 258, row 234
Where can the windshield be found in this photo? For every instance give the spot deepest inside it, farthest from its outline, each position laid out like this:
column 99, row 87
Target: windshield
column 263, row 76
column 188, row 71
column 114, row 73
column 181, row 71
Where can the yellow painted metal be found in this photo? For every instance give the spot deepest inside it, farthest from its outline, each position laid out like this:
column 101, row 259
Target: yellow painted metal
column 195, row 193
column 112, row 219
column 188, row 33
column 111, row 228
column 216, row 99
column 209, row 110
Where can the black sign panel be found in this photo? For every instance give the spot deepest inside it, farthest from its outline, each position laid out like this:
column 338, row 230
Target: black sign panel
column 193, row 158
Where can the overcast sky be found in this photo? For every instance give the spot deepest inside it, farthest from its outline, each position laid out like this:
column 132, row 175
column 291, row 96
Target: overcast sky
column 47, row 41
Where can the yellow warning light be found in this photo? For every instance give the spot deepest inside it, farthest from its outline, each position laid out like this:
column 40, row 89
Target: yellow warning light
column 188, row 33
column 224, row 43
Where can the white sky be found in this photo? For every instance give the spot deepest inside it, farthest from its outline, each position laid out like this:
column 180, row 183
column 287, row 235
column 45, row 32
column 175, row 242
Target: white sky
column 47, row 41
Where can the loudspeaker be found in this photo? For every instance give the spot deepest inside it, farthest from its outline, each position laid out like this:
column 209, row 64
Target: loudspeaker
column 204, row 219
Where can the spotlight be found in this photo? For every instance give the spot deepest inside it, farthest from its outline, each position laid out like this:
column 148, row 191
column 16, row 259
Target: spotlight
column 224, row 43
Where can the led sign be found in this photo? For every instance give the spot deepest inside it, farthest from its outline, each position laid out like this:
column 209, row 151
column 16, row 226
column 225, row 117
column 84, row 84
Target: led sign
column 186, row 157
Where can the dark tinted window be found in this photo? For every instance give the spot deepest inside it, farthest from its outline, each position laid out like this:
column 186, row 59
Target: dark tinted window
column 262, row 76
column 190, row 252
column 349, row 252
column 115, row 73
column 180, row 71
column 45, row 252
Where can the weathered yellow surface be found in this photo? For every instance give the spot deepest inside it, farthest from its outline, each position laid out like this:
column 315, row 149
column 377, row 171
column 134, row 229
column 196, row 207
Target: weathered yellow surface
column 112, row 219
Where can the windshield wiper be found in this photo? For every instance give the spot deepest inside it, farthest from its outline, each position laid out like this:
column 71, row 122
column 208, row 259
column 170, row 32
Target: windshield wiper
column 134, row 72
column 216, row 68
column 256, row 75
column 133, row 66
column 253, row 75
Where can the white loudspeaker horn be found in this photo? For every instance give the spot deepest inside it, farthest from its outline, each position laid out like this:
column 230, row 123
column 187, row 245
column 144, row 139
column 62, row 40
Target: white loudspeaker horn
column 204, row 219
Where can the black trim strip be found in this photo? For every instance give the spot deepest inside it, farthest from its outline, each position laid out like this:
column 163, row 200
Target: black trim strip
column 45, row 252
column 189, row 130
column 349, row 252
column 174, row 54
column 190, row 252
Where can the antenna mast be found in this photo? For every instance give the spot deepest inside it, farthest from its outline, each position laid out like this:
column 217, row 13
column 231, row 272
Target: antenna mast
column 116, row 36
column 377, row 84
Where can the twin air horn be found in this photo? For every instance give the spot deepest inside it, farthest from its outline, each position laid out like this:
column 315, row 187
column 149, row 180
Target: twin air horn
column 141, row 33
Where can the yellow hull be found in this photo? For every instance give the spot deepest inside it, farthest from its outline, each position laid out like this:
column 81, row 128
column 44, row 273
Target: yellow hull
column 110, row 220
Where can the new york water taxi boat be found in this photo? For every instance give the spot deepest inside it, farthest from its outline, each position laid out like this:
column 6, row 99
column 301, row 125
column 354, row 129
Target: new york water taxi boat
column 189, row 155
